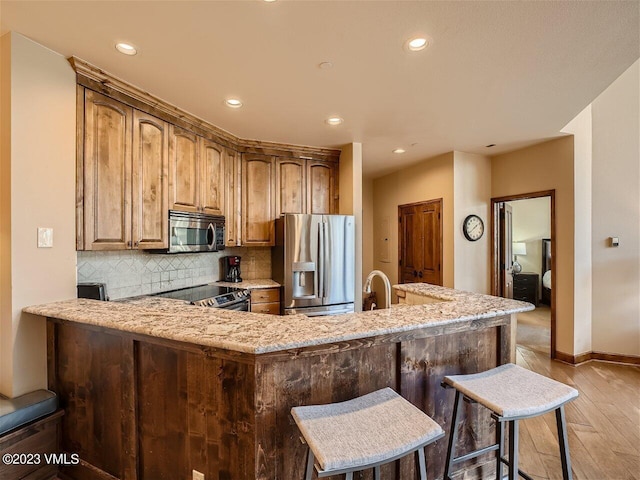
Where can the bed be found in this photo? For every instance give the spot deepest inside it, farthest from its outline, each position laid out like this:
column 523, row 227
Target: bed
column 546, row 272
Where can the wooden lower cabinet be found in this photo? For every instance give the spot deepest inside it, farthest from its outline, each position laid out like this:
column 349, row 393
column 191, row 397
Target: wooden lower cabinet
column 265, row 300
column 147, row 408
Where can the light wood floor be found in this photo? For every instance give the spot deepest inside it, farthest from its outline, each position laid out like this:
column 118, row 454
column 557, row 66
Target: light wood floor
column 603, row 422
column 534, row 329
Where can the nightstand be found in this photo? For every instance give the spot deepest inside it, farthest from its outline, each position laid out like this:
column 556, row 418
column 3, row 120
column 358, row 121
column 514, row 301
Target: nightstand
column 526, row 287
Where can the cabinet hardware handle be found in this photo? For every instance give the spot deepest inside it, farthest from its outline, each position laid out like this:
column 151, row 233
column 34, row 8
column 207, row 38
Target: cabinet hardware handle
column 129, row 244
column 415, row 274
column 420, row 274
column 136, row 244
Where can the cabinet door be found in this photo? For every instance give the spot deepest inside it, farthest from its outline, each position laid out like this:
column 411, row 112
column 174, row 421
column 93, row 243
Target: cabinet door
column 107, row 173
column 150, row 184
column 291, row 189
column 321, row 181
column 211, row 158
column 233, row 200
column 183, row 170
column 258, row 200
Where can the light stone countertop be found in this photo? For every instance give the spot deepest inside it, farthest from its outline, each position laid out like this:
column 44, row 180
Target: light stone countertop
column 261, row 333
column 250, row 284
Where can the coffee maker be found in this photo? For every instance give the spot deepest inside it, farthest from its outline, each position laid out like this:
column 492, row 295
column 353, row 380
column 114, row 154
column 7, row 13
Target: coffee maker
column 231, row 268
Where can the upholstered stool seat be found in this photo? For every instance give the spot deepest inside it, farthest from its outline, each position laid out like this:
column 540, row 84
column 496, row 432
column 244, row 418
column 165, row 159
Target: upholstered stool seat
column 512, row 393
column 364, row 433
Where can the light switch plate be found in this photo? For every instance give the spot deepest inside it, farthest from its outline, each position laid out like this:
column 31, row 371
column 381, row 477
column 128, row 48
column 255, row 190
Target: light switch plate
column 615, row 241
column 45, row 237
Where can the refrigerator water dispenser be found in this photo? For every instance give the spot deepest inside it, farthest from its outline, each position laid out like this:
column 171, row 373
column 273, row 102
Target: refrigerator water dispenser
column 304, row 280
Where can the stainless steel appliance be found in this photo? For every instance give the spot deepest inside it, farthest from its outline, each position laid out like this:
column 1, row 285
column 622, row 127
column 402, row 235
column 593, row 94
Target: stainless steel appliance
column 194, row 232
column 314, row 260
column 96, row 291
column 212, row 296
column 232, row 268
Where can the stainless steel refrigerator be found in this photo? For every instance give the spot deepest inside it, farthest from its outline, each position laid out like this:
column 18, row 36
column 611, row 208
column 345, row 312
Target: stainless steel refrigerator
column 314, row 261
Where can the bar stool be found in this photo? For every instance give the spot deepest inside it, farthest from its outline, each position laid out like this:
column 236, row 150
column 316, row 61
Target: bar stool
column 365, row 432
column 512, row 393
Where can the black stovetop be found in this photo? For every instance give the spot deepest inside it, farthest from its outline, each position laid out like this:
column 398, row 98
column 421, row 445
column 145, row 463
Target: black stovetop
column 193, row 294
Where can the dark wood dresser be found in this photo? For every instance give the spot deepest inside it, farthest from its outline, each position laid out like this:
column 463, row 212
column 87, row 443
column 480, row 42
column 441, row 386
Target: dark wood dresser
column 526, row 287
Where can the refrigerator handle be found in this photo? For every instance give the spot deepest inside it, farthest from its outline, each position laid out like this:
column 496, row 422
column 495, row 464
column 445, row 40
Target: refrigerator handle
column 321, row 260
column 327, row 265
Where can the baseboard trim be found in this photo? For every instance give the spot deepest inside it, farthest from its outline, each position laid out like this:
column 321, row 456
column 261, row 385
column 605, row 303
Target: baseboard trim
column 601, row 356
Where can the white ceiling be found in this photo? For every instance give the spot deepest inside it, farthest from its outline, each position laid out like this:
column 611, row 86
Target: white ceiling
column 506, row 72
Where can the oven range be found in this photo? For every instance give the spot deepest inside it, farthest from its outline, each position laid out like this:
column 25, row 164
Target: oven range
column 212, row 296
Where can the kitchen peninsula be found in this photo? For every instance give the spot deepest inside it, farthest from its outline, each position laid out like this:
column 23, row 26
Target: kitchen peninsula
column 154, row 388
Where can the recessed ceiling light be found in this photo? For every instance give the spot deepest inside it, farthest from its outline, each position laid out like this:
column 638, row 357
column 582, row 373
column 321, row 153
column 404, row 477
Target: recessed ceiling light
column 126, row 48
column 334, row 120
column 399, row 150
column 416, row 44
column 269, row 1
column 325, row 65
column 233, row 103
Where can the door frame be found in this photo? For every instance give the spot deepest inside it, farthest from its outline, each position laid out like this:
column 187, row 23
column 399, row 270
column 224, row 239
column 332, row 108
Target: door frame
column 495, row 255
column 440, row 235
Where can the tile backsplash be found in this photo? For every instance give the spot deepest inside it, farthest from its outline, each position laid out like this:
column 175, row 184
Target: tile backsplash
column 131, row 272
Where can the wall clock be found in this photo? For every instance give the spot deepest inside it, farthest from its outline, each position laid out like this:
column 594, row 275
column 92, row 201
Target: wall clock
column 473, row 228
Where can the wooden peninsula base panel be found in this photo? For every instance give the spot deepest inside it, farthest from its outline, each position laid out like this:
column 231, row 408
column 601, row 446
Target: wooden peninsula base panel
column 155, row 389
column 147, row 408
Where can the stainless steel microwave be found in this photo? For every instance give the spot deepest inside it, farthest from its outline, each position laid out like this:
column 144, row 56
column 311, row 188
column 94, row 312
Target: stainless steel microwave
column 195, row 232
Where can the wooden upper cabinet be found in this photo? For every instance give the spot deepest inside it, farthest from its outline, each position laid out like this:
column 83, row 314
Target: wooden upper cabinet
column 321, row 191
column 107, row 173
column 291, row 189
column 233, row 201
column 258, row 200
column 183, row 170
column 211, row 156
column 150, row 198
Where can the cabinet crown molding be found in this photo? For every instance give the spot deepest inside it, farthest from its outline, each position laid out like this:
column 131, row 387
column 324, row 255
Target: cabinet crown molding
column 92, row 76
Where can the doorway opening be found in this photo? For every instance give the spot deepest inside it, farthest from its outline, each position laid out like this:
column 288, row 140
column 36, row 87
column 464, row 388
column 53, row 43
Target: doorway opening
column 523, row 263
column 420, row 242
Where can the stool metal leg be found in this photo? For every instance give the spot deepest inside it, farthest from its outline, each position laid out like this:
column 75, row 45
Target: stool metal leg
column 422, row 464
column 500, row 450
column 348, row 476
column 376, row 473
column 564, row 444
column 513, row 450
column 453, row 435
column 308, row 472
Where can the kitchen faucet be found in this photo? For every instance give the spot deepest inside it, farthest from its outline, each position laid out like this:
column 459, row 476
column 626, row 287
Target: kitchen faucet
column 387, row 286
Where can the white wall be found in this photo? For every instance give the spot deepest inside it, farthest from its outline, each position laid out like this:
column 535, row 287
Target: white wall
column 581, row 128
column 41, row 163
column 350, row 191
column 428, row 180
column 616, row 212
column 531, row 223
column 472, row 195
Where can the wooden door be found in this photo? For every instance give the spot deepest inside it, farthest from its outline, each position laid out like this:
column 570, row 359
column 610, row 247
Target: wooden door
column 290, row 186
column 321, row 182
column 183, row 170
column 505, row 249
column 150, row 183
column 233, row 202
column 258, row 200
column 420, row 242
column 107, row 173
column 211, row 157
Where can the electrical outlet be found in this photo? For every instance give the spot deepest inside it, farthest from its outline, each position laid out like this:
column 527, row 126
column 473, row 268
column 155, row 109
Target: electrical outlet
column 198, row 475
column 45, row 237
